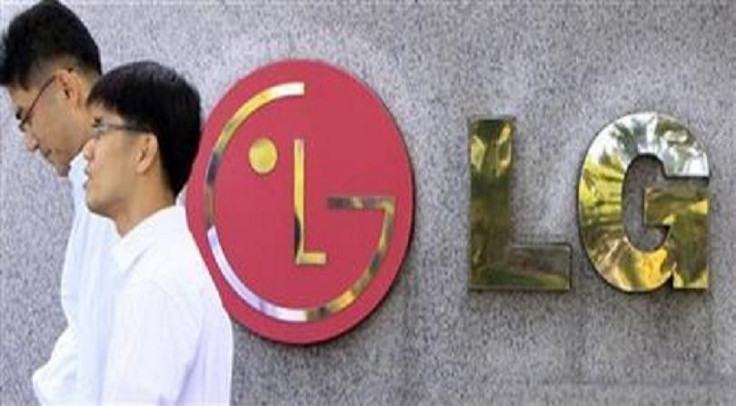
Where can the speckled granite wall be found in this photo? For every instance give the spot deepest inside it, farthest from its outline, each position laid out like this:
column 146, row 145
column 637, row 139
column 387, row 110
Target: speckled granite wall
column 564, row 69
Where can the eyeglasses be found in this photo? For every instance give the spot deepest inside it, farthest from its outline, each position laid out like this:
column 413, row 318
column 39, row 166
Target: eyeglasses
column 100, row 128
column 26, row 119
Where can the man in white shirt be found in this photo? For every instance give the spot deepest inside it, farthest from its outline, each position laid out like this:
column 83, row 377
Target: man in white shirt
column 48, row 64
column 170, row 338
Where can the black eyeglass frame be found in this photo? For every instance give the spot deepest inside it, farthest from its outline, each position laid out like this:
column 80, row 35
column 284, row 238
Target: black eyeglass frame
column 99, row 128
column 26, row 119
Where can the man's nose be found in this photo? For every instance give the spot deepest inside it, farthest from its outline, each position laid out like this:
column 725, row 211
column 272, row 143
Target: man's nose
column 88, row 149
column 31, row 142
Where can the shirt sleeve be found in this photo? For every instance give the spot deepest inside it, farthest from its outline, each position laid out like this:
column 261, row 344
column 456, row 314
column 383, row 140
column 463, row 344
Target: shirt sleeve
column 55, row 381
column 152, row 345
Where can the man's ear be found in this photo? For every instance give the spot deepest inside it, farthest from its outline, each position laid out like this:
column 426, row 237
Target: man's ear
column 147, row 153
column 71, row 85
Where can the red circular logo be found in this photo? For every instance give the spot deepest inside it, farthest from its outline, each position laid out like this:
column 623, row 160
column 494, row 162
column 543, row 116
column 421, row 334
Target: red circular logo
column 301, row 201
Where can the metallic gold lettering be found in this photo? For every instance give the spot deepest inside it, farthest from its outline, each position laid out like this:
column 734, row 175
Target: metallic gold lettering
column 495, row 262
column 683, row 209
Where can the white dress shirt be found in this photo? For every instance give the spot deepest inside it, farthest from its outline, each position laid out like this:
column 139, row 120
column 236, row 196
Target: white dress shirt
column 71, row 373
column 171, row 339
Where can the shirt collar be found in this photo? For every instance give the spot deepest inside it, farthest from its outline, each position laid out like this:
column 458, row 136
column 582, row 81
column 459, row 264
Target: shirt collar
column 169, row 220
column 76, row 171
column 77, row 177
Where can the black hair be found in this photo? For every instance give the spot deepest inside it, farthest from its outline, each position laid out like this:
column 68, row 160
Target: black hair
column 41, row 34
column 156, row 98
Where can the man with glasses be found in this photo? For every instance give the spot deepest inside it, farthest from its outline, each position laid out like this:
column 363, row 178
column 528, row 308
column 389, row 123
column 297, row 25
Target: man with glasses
column 48, row 64
column 170, row 337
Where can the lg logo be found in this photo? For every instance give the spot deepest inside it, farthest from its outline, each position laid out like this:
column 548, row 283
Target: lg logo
column 301, row 201
column 680, row 206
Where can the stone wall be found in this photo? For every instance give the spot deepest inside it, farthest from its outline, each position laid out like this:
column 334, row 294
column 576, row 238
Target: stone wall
column 564, row 70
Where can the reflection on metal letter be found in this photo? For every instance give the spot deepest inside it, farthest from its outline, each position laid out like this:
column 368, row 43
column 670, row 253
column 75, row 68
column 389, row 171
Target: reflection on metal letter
column 682, row 209
column 495, row 262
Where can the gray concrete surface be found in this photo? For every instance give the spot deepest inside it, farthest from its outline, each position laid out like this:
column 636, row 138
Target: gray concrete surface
column 564, row 69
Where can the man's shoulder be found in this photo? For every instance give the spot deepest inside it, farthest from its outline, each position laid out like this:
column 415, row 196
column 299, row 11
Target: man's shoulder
column 173, row 262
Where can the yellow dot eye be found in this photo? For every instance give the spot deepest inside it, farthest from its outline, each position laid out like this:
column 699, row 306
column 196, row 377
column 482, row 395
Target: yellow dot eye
column 263, row 156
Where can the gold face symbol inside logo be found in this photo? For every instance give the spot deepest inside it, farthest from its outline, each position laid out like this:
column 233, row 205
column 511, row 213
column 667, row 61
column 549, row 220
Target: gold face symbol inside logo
column 263, row 157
